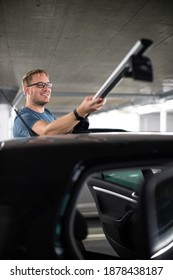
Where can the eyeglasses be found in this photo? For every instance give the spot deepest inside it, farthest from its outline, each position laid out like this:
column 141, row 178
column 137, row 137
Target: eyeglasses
column 41, row 85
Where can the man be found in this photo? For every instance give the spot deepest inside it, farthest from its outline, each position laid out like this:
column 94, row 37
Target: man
column 35, row 117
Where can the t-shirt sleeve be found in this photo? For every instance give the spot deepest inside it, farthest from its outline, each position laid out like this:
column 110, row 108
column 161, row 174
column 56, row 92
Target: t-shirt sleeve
column 30, row 119
column 20, row 129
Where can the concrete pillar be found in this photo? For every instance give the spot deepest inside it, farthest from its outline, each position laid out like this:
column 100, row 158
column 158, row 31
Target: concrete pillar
column 163, row 120
column 5, row 122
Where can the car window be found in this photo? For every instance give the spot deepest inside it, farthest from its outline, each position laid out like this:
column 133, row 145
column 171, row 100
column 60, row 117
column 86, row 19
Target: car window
column 131, row 179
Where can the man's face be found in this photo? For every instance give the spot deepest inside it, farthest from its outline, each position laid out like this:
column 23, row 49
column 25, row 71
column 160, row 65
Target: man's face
column 38, row 95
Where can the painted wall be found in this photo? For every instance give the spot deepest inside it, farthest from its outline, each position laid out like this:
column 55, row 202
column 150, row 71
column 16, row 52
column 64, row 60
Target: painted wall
column 115, row 119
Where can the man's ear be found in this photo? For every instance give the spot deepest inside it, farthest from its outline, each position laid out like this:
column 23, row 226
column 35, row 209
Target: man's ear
column 25, row 90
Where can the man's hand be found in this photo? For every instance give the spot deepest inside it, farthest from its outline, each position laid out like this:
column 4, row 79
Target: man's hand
column 90, row 105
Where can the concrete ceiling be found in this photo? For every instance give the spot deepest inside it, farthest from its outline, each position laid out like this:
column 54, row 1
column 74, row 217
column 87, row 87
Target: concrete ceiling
column 80, row 43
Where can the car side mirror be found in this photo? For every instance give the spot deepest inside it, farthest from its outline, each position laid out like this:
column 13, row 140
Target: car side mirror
column 156, row 209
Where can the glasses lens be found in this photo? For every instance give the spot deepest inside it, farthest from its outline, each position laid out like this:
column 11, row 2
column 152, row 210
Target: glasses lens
column 40, row 85
column 48, row 85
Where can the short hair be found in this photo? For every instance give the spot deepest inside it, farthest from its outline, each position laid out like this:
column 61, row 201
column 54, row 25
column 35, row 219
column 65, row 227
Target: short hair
column 27, row 78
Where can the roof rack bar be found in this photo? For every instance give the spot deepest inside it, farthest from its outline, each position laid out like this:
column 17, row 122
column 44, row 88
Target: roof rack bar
column 126, row 66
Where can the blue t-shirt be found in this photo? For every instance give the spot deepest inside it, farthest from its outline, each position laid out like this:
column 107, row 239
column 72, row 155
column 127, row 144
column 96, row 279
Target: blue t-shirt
column 30, row 117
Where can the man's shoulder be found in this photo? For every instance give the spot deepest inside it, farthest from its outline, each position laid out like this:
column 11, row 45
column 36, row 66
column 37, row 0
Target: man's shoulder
column 24, row 110
column 27, row 115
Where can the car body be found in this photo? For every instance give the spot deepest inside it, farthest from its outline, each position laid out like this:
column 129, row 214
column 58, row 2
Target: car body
column 42, row 182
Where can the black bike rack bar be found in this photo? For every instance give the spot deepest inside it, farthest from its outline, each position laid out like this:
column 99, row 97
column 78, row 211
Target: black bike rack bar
column 134, row 65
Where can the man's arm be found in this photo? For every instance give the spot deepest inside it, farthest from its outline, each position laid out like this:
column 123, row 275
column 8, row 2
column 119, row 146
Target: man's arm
column 66, row 123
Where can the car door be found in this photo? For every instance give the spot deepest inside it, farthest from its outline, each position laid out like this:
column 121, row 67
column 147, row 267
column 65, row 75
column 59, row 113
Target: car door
column 115, row 193
column 156, row 210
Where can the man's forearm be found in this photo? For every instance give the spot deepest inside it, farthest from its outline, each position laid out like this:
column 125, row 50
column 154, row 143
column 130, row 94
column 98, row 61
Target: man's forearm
column 62, row 125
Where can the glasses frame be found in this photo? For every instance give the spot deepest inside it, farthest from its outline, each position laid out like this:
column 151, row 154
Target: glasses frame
column 41, row 85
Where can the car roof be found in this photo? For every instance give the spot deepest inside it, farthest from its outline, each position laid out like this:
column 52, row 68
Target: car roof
column 100, row 137
column 95, row 145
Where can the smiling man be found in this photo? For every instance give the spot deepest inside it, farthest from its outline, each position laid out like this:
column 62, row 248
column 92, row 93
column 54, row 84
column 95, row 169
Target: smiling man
column 35, row 119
